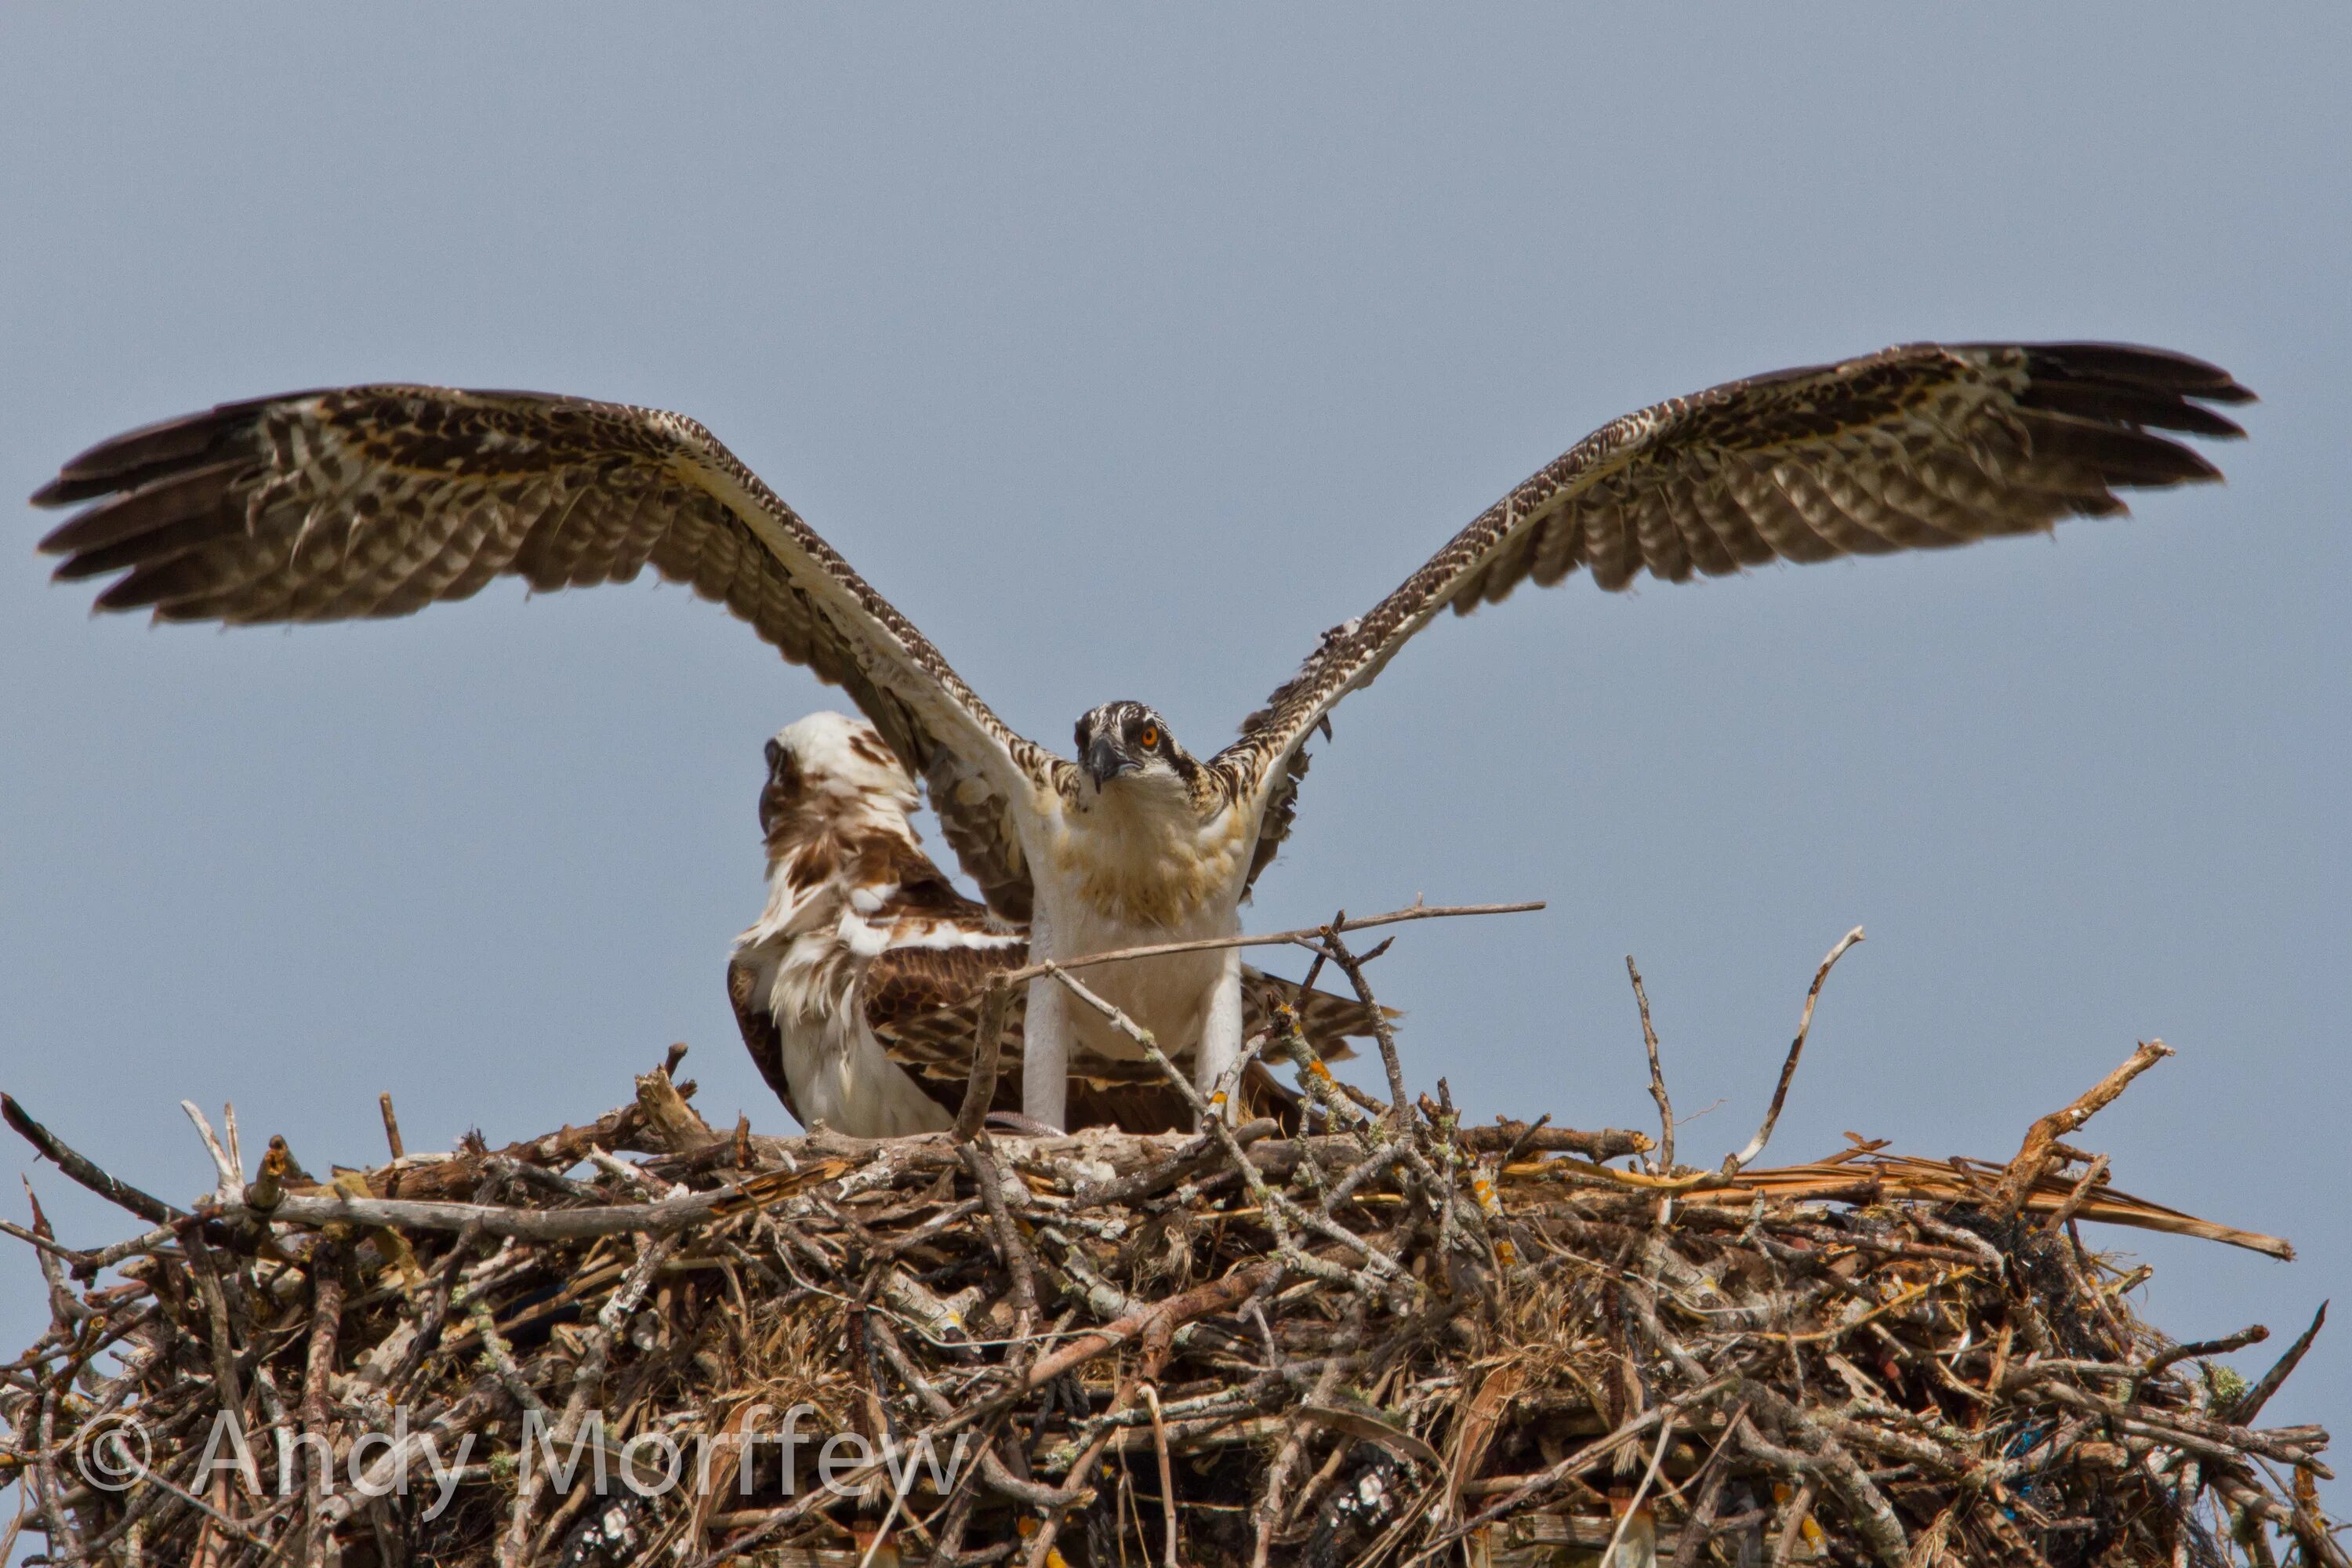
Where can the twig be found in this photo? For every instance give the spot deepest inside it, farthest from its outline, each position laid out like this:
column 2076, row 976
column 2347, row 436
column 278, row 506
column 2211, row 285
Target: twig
column 1162, row 1317
column 1167, row 1473
column 980, row 1157
column 235, row 1143
column 2250, row 1404
column 1657, row 1077
column 65, row 1311
column 2198, row 1350
column 1641, row 1492
column 1514, row 1138
column 1383, row 1034
column 660, row 1217
column 47, row 1244
column 1801, row 1508
column 2072, row 1202
column 226, row 1386
column 391, row 1125
column 1276, row 939
column 154, row 1210
column 326, row 1320
column 2034, row 1158
column 979, row 1092
column 1747, row 1156
column 231, row 1191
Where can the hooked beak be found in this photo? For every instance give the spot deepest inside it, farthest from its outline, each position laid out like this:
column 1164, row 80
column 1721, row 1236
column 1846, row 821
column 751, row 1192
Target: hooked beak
column 1104, row 762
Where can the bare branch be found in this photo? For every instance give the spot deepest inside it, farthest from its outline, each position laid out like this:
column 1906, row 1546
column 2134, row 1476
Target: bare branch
column 121, row 1193
column 391, row 1124
column 2035, row 1158
column 1276, row 939
column 1747, row 1156
column 1382, row 1031
column 980, row 1093
column 1657, row 1076
column 2250, row 1404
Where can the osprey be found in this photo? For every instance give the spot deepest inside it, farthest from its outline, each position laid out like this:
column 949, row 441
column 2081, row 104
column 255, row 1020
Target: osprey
column 377, row 500
column 857, row 989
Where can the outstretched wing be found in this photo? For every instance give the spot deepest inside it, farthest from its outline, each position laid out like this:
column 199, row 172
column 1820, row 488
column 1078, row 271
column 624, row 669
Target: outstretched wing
column 1917, row 447
column 373, row 501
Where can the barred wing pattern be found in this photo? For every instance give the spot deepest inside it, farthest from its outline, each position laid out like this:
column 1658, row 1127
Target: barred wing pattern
column 1917, row 447
column 375, row 501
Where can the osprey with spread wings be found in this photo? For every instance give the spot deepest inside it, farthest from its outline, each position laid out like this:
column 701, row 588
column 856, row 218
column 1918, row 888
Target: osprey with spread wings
column 377, row 500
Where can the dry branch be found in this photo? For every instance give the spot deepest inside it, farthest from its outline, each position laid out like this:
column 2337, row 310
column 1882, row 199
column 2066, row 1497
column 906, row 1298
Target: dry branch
column 1414, row 912
column 2039, row 1153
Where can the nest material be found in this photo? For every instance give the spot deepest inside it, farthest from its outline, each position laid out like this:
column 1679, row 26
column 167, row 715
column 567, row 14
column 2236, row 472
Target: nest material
column 1388, row 1339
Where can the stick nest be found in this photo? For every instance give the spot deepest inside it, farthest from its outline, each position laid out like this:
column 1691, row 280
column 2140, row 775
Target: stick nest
column 1388, row 1337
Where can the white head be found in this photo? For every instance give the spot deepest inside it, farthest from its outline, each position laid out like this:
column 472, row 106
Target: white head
column 827, row 771
column 834, row 797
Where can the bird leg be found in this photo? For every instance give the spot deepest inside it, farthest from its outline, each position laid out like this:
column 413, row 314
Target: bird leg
column 1221, row 1031
column 1046, row 1053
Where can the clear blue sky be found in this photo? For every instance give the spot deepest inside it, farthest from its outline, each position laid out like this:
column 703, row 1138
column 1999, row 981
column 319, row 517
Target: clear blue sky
column 1126, row 348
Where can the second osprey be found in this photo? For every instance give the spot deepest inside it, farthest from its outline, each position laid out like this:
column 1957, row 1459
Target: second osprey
column 377, row 500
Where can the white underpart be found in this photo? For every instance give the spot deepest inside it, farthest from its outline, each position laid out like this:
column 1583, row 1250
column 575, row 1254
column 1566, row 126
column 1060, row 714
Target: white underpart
column 1191, row 1003
column 1143, row 828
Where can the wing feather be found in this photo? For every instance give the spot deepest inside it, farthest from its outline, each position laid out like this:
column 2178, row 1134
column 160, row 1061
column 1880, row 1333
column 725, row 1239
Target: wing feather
column 1920, row 447
column 1903, row 528
column 761, row 1035
column 1740, row 539
column 1556, row 551
column 1847, row 533
column 1658, row 535
column 374, row 502
column 1609, row 552
column 1710, row 553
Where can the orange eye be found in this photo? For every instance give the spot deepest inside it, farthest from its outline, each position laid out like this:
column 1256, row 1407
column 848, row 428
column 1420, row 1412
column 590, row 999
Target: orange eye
column 1149, row 736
